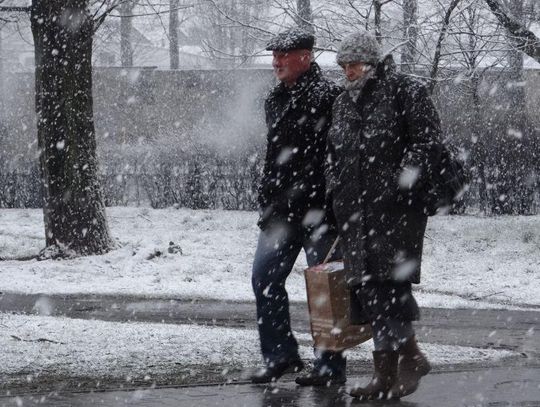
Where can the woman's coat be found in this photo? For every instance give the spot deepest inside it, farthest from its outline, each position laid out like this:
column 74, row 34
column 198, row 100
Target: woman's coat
column 383, row 143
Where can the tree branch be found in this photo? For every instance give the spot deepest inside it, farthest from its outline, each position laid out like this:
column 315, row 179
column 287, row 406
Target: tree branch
column 525, row 39
column 9, row 9
column 442, row 35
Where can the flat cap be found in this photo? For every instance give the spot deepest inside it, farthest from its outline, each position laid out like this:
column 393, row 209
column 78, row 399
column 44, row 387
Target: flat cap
column 291, row 39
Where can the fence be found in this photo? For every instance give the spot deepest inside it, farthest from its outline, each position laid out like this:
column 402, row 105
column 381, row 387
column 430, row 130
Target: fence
column 201, row 184
column 220, row 183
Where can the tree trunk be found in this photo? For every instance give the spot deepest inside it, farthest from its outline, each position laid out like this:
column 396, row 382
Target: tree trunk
column 74, row 213
column 174, row 55
column 438, row 47
column 410, row 34
column 305, row 16
column 478, row 150
column 126, row 47
column 2, row 73
column 519, row 165
column 515, row 60
column 378, row 12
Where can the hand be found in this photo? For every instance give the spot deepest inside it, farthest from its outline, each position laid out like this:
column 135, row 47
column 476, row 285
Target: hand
column 265, row 215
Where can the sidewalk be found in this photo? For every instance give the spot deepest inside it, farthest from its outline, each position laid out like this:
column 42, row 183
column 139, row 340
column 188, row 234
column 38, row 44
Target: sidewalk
column 497, row 329
column 486, row 387
column 510, row 382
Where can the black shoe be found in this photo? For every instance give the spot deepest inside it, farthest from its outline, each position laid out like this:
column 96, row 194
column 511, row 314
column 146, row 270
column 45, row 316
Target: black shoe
column 318, row 378
column 274, row 371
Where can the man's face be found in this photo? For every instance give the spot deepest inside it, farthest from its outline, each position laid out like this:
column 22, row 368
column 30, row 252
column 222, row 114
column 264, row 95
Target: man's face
column 355, row 70
column 289, row 65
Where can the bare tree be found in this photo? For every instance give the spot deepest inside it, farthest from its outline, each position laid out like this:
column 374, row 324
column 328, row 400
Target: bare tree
column 305, row 16
column 518, row 155
column 8, row 14
column 410, row 34
column 231, row 30
column 515, row 57
column 472, row 43
column 126, row 46
column 438, row 48
column 74, row 211
column 174, row 54
column 525, row 39
column 1, row 73
column 377, row 17
column 499, row 145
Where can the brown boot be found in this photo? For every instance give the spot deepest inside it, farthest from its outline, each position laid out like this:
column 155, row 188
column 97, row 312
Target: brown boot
column 413, row 364
column 384, row 377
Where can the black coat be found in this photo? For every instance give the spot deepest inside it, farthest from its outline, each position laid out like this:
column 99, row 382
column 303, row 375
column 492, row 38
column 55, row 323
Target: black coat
column 392, row 125
column 298, row 120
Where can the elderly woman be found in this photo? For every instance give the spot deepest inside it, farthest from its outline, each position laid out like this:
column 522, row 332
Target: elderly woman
column 383, row 143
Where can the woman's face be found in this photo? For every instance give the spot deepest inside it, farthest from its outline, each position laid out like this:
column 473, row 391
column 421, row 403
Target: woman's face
column 355, row 70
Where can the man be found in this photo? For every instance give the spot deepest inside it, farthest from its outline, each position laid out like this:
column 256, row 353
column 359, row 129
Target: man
column 384, row 145
column 293, row 211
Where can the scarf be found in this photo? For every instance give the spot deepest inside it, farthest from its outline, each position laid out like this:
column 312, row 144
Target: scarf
column 355, row 87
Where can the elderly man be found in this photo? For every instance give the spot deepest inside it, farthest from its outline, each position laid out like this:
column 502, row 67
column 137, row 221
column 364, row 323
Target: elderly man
column 293, row 211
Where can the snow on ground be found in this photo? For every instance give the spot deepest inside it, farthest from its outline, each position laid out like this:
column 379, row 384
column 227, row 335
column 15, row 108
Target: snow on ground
column 473, row 262
column 37, row 345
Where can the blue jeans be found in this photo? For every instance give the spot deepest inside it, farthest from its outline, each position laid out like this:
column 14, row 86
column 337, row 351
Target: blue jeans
column 277, row 249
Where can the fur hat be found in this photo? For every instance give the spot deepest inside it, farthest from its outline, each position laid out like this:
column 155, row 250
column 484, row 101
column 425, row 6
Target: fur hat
column 291, row 39
column 361, row 46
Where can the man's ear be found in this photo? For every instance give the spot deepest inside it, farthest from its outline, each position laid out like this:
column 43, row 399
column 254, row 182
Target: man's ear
column 307, row 56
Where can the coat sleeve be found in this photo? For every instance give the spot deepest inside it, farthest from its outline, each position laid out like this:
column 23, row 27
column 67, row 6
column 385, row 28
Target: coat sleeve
column 330, row 168
column 423, row 129
column 263, row 190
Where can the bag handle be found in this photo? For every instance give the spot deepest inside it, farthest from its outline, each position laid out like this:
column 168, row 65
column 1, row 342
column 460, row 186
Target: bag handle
column 332, row 249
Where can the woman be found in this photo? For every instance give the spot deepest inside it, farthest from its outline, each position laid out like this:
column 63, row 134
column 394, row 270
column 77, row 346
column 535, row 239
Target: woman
column 383, row 143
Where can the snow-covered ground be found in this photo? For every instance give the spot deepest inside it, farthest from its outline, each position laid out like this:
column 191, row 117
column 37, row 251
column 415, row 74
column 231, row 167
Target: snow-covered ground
column 473, row 262
column 469, row 262
column 40, row 345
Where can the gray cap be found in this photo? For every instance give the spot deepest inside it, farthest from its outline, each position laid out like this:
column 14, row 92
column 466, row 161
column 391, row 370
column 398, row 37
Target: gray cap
column 291, row 39
column 361, row 46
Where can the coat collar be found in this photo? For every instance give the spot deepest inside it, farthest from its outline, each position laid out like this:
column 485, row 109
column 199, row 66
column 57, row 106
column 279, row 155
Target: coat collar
column 383, row 69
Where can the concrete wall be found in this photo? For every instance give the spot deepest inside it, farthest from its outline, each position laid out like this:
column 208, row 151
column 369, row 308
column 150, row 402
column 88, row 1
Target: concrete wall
column 221, row 110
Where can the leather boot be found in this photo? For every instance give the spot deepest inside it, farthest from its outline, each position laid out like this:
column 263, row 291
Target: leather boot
column 274, row 370
column 329, row 369
column 412, row 365
column 384, row 377
column 321, row 377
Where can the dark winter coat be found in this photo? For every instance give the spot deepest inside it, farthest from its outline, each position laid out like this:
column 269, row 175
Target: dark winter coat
column 298, row 120
column 392, row 125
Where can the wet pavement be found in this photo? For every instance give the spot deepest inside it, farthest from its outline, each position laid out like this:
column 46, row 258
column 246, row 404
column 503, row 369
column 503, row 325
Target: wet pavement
column 499, row 329
column 509, row 383
column 489, row 387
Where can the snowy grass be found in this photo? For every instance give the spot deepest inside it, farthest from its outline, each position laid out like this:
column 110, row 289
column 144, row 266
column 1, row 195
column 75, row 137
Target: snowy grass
column 469, row 262
column 41, row 345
